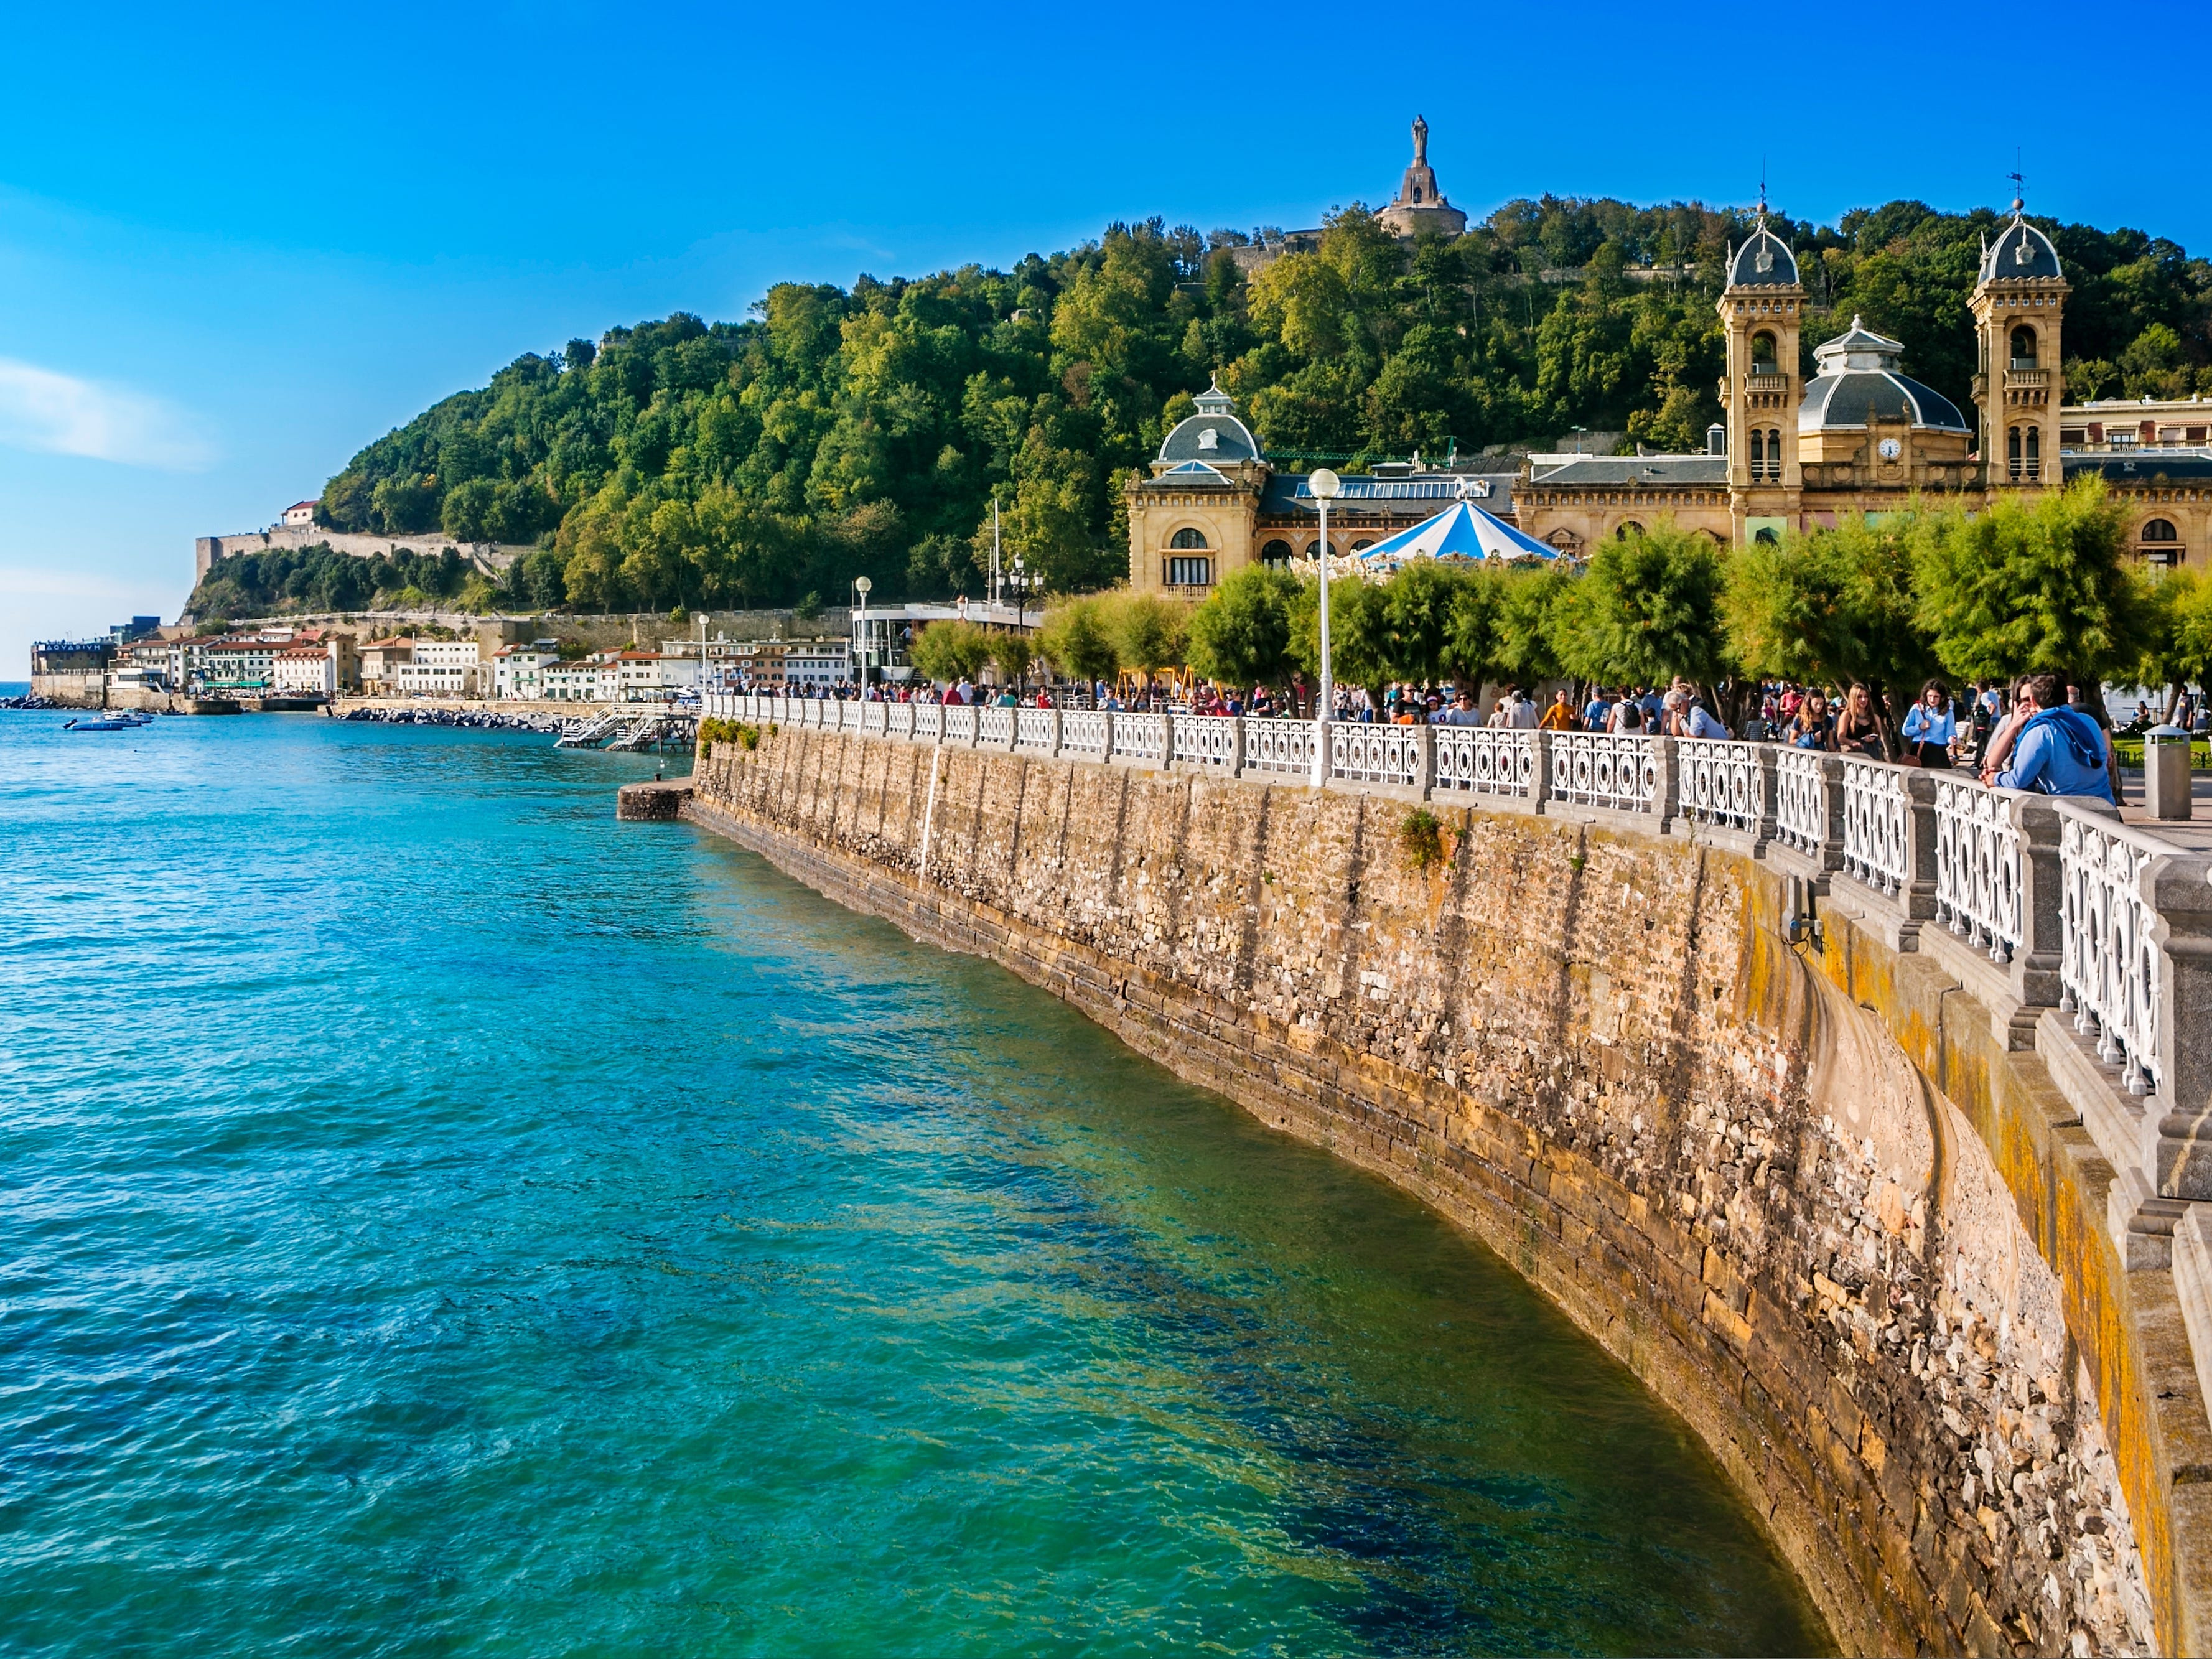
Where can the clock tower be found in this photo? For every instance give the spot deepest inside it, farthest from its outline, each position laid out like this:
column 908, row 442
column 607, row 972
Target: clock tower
column 2017, row 303
column 1762, row 311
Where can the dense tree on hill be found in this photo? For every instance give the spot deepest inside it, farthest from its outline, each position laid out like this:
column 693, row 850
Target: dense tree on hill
column 837, row 433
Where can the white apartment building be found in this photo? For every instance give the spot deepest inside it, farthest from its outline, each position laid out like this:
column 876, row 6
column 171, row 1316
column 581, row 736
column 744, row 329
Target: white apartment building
column 583, row 681
column 619, row 676
column 651, row 675
column 440, row 668
column 241, row 664
column 519, row 671
column 306, row 671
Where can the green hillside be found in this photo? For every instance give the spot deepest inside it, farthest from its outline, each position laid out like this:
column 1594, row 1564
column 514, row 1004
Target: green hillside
column 835, row 432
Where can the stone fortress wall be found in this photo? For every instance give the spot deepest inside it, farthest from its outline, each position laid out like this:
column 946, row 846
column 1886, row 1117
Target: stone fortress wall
column 1809, row 1190
column 490, row 557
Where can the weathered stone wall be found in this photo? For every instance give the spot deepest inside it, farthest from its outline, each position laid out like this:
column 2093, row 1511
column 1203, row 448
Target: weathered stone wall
column 1593, row 1047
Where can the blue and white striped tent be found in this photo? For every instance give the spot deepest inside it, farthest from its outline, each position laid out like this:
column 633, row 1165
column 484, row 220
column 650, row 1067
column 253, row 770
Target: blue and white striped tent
column 1463, row 531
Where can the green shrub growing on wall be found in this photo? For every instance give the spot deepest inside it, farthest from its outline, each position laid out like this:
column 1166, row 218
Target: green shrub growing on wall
column 715, row 730
column 1420, row 838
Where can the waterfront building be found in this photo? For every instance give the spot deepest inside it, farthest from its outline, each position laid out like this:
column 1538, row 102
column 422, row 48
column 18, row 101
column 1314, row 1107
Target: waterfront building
column 380, row 665
column 306, row 671
column 1215, row 503
column 573, row 682
column 439, row 668
column 71, row 671
column 519, row 671
column 242, row 663
column 650, row 675
column 781, row 662
column 1860, row 435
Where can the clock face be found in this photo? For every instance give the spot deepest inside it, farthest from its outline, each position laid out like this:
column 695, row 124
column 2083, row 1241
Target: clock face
column 1891, row 449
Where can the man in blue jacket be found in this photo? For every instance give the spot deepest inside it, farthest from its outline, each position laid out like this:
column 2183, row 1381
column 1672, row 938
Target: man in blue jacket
column 2061, row 751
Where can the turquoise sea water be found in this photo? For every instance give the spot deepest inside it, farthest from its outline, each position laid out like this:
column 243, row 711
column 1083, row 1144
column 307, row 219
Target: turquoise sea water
column 439, row 1220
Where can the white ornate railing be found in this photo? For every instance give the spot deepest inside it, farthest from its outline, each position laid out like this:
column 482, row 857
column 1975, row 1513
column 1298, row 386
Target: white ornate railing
column 1083, row 731
column 1880, row 821
column 1280, row 746
column 1139, row 737
column 1721, row 783
column 1877, row 825
column 1977, row 868
column 2108, row 969
column 1801, row 799
column 1033, row 729
column 1603, row 768
column 1205, row 740
column 1374, row 754
column 1485, row 762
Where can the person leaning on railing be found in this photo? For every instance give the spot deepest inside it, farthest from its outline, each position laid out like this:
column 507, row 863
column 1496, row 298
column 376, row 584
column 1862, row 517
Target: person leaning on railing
column 1857, row 730
column 1931, row 730
column 2058, row 749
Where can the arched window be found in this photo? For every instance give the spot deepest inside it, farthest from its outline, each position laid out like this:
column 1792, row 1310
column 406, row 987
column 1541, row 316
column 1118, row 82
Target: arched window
column 1187, row 539
column 2034, row 469
column 2023, row 348
column 2161, row 543
column 1628, row 527
column 1361, row 545
column 1275, row 552
column 2012, row 450
column 1762, row 353
column 1315, row 549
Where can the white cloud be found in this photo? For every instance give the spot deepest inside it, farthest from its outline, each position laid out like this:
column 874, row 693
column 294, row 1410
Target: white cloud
column 58, row 414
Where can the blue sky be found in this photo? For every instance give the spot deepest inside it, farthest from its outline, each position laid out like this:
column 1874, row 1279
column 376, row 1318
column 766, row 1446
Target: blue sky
column 236, row 243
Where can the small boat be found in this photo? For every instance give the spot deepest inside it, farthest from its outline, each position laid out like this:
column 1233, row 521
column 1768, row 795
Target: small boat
column 104, row 723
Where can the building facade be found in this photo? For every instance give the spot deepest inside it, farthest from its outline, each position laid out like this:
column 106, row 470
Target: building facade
column 306, row 671
column 1859, row 435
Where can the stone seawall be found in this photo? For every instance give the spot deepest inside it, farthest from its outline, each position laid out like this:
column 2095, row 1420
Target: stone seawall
column 1762, row 1175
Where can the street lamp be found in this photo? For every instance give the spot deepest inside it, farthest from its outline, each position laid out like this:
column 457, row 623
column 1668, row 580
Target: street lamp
column 1324, row 486
column 860, row 586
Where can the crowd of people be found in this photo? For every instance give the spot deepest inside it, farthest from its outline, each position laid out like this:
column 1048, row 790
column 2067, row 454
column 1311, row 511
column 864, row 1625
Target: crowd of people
column 2037, row 732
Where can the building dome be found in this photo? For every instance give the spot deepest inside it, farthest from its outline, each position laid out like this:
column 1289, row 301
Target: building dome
column 1213, row 434
column 2020, row 249
column 1764, row 261
column 1857, row 383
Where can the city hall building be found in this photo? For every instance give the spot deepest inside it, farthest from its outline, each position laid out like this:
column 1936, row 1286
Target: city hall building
column 1860, row 436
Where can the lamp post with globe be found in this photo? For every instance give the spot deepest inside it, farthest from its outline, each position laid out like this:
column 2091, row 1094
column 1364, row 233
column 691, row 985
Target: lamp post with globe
column 1324, row 486
column 860, row 586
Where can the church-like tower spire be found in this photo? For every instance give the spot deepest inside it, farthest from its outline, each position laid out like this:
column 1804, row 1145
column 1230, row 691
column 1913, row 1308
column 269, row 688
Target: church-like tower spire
column 1762, row 312
column 2017, row 304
